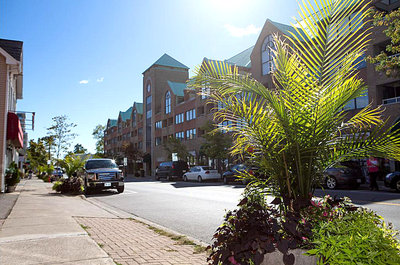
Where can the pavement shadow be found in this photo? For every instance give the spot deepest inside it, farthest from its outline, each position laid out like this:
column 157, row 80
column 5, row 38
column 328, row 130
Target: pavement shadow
column 101, row 193
column 188, row 184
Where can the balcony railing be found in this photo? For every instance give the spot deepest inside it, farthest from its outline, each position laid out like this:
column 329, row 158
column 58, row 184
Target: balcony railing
column 391, row 101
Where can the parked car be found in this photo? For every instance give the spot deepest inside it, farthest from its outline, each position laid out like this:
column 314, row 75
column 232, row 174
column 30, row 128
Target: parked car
column 347, row 174
column 171, row 170
column 235, row 171
column 57, row 174
column 201, row 173
column 392, row 180
column 102, row 174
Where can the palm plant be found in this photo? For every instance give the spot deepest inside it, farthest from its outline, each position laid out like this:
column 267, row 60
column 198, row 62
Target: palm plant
column 300, row 127
column 72, row 164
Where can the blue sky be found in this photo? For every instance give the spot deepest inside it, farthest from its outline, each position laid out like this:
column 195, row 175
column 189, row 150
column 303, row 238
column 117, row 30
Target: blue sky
column 85, row 58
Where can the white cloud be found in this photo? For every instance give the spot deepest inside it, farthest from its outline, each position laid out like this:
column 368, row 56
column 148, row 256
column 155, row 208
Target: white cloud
column 83, row 81
column 240, row 32
column 99, row 80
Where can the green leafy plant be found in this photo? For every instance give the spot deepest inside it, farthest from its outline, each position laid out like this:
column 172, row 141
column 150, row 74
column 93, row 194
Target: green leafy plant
column 71, row 185
column 359, row 237
column 72, row 164
column 300, row 128
column 12, row 174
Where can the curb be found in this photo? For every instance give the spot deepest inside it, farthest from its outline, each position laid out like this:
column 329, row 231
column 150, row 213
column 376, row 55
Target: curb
column 125, row 215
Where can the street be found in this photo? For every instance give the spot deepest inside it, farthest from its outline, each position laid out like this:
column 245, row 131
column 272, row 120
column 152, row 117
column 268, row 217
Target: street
column 197, row 209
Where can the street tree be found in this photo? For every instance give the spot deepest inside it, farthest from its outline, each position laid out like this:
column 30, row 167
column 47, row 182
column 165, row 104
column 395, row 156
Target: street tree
column 174, row 145
column 49, row 143
column 98, row 135
column 133, row 154
column 37, row 154
column 79, row 149
column 217, row 143
column 62, row 133
column 388, row 60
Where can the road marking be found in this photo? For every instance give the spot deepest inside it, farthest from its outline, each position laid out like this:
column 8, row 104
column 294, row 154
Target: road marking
column 382, row 203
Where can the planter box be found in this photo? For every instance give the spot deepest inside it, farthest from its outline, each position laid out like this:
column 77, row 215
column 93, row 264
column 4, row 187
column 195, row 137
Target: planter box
column 11, row 188
column 300, row 259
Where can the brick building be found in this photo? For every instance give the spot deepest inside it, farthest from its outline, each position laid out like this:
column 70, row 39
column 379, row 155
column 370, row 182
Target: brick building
column 11, row 134
column 172, row 110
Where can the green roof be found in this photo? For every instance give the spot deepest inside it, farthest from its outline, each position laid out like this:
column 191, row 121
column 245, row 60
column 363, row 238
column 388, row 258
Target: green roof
column 126, row 115
column 241, row 59
column 177, row 88
column 286, row 29
column 111, row 123
column 167, row 60
column 139, row 107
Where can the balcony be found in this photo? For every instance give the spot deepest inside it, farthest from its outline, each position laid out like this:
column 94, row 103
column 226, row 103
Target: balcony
column 388, row 101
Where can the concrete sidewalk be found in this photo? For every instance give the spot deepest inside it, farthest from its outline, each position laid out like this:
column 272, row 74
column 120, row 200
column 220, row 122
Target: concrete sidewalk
column 41, row 229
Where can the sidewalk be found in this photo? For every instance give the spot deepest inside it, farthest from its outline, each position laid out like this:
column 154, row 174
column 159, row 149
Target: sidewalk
column 49, row 228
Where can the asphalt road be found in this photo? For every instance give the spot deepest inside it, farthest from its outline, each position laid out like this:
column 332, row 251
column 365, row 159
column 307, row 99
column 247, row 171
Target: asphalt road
column 197, row 209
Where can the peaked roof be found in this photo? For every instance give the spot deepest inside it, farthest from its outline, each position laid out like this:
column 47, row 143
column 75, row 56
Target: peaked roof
column 126, row 115
column 167, row 60
column 242, row 58
column 111, row 123
column 139, row 107
column 12, row 47
column 177, row 88
column 286, row 29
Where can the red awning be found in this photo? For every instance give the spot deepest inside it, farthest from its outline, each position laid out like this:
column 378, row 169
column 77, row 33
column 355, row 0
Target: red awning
column 14, row 130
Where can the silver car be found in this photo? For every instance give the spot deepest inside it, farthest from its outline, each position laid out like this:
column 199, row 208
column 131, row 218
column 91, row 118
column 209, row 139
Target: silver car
column 201, row 173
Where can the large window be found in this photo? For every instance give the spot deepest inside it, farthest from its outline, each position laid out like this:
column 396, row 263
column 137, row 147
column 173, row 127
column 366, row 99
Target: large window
column 148, row 100
column 158, row 141
column 179, row 118
column 148, row 114
column 191, row 134
column 167, row 102
column 180, row 135
column 267, row 55
column 159, row 125
column 390, row 93
column 357, row 103
column 134, row 118
column 191, row 114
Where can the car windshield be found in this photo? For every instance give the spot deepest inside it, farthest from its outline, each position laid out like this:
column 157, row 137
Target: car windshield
column 207, row 168
column 93, row 164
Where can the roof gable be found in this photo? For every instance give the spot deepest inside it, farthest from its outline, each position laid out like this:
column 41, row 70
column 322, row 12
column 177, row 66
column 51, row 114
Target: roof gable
column 111, row 123
column 126, row 115
column 166, row 60
column 12, row 47
column 139, row 107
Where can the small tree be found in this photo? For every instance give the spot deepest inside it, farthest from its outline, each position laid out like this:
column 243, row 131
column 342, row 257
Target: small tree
column 388, row 61
column 79, row 149
column 61, row 131
column 98, row 135
column 72, row 164
column 217, row 143
column 37, row 154
column 174, row 145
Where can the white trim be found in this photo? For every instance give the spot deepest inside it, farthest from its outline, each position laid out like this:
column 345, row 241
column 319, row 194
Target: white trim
column 9, row 58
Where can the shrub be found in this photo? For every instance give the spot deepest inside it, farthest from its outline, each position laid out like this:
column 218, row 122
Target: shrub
column 70, row 185
column 12, row 174
column 358, row 237
column 257, row 228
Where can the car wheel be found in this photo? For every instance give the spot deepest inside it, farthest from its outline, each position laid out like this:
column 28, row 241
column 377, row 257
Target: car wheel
column 168, row 178
column 86, row 190
column 157, row 177
column 225, row 180
column 331, row 182
column 199, row 179
column 397, row 185
column 185, row 178
column 121, row 189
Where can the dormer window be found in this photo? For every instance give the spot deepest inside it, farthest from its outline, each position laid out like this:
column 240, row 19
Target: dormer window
column 267, row 55
column 167, row 102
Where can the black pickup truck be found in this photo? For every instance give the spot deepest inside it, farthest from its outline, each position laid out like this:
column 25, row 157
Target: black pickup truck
column 102, row 174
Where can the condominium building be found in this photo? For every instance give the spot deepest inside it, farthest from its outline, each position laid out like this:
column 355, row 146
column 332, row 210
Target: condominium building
column 172, row 110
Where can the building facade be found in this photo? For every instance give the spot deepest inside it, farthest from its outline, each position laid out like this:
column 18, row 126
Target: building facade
column 171, row 110
column 11, row 134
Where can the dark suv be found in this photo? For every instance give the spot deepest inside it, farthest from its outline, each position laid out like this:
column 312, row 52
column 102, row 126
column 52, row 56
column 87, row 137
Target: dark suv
column 235, row 171
column 392, row 180
column 103, row 174
column 171, row 170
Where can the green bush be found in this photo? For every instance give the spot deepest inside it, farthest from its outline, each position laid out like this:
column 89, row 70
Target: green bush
column 359, row 237
column 71, row 185
column 57, row 185
column 12, row 174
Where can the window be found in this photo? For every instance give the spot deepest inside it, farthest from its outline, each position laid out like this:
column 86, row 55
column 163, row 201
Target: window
column 191, row 134
column 148, row 114
column 179, row 118
column 159, row 125
column 134, row 118
column 140, row 145
column 158, row 141
column 390, row 94
column 357, row 103
column 267, row 55
column 205, row 92
column 167, row 102
column 191, row 114
column 180, row 135
column 148, row 100
column 148, row 87
column 140, row 131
